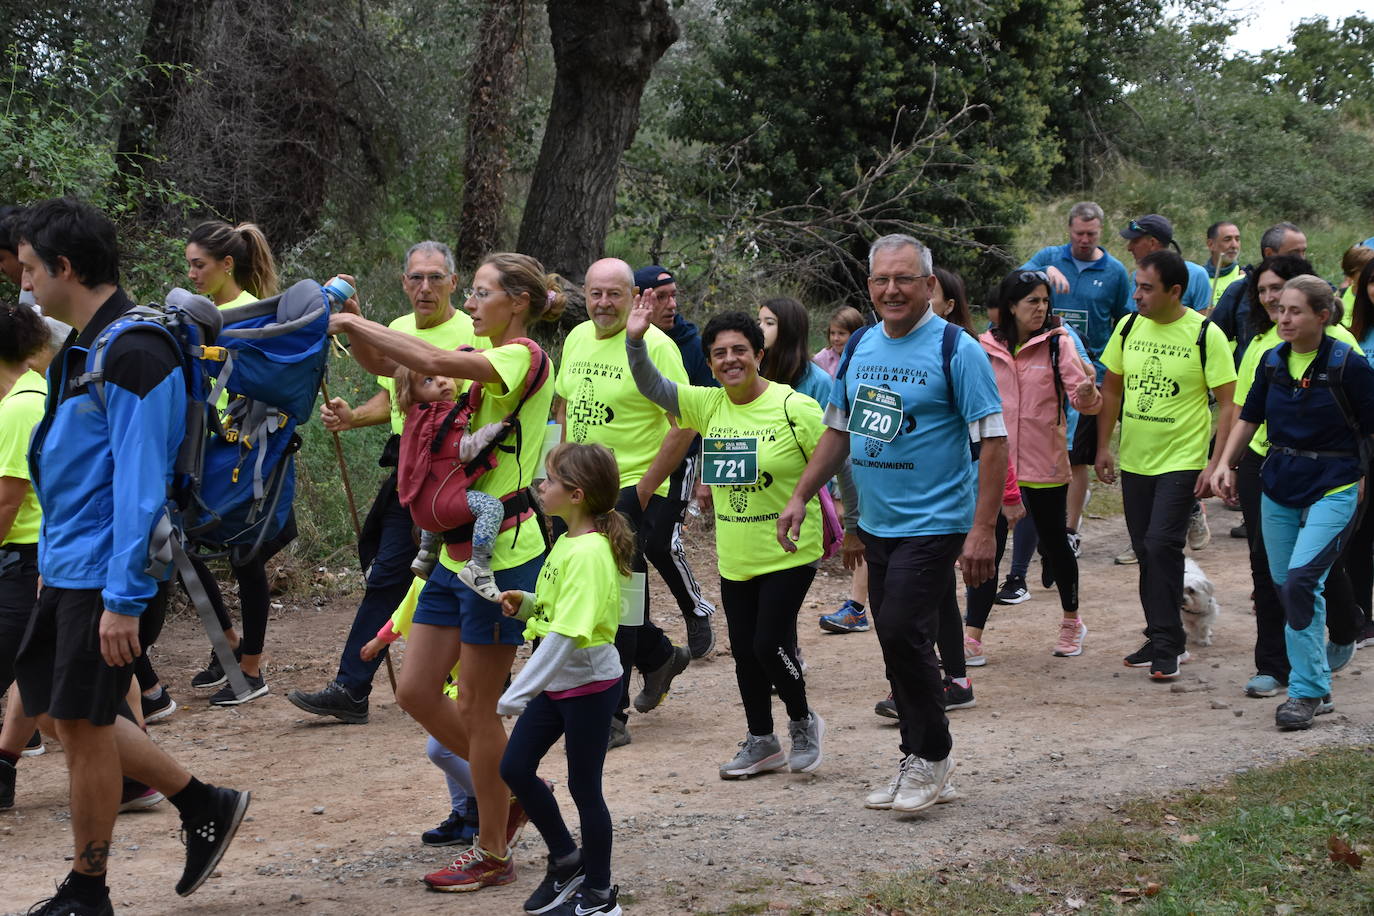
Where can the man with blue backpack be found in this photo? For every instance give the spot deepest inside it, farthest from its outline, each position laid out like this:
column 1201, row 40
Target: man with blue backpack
column 101, row 467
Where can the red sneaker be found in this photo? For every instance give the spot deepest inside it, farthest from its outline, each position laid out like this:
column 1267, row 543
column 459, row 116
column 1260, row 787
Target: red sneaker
column 473, row 870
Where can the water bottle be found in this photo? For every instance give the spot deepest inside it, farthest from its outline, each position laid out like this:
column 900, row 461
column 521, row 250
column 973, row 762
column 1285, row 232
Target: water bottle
column 338, row 290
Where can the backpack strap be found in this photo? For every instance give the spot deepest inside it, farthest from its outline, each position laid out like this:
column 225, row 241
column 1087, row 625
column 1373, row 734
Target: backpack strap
column 1202, row 348
column 1126, row 328
column 1055, row 340
column 849, row 348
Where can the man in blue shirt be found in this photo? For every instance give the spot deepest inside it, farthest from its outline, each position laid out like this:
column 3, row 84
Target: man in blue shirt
column 1090, row 290
column 905, row 418
column 100, row 467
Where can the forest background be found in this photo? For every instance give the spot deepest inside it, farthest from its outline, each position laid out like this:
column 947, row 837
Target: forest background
column 752, row 147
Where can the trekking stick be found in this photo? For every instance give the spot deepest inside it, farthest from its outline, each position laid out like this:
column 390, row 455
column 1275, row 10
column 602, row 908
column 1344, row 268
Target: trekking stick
column 353, row 512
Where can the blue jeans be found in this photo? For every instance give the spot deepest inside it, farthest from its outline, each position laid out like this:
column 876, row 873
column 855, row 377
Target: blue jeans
column 1302, row 544
column 388, row 580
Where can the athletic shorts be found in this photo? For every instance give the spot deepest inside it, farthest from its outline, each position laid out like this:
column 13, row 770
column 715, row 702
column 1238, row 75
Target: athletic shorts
column 18, row 594
column 60, row 669
column 447, row 602
column 1083, row 450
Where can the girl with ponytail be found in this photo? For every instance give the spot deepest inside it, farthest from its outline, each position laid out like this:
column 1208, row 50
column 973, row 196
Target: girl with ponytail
column 570, row 687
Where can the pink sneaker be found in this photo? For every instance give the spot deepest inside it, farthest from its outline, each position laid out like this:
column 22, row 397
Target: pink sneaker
column 973, row 653
column 1071, row 633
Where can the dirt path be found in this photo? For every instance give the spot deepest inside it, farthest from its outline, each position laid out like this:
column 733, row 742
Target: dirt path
column 337, row 809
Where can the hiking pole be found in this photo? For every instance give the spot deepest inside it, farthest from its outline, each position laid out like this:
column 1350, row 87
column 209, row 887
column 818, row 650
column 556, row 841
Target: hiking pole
column 340, row 289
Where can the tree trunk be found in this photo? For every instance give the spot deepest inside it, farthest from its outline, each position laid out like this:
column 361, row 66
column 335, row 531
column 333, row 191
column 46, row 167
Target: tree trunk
column 491, row 110
column 170, row 45
column 604, row 51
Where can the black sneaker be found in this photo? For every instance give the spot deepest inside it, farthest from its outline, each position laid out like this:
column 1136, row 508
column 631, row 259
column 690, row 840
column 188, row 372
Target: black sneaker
column 213, row 675
column 658, row 682
column 886, row 708
column 560, row 882
column 63, row 904
column 1166, row 667
column 1013, row 591
column 157, row 708
column 1143, row 657
column 587, row 903
column 957, row 697
column 225, row 696
column 35, row 746
column 1296, row 713
column 334, row 701
column 209, row 835
column 701, row 639
column 8, row 775
column 457, row 828
column 1239, row 532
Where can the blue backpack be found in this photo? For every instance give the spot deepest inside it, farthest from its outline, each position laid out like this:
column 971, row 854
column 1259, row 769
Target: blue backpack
column 234, row 478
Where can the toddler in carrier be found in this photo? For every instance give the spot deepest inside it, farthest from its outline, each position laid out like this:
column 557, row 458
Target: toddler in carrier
column 487, row 511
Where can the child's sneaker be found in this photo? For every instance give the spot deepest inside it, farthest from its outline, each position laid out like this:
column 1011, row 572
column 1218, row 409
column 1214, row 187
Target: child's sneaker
column 560, row 882
column 587, row 902
column 480, row 579
column 424, row 563
column 1072, row 630
column 850, row 618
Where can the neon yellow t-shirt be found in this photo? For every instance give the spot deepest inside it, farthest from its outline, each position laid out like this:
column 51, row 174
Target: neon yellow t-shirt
column 523, row 542
column 20, row 410
column 1249, row 365
column 578, row 592
column 604, row 405
column 1165, row 421
column 1348, row 303
column 243, row 298
column 747, row 516
column 452, row 334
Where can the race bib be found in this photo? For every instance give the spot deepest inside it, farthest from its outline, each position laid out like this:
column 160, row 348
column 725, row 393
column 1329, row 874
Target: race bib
column 730, row 462
column 877, row 413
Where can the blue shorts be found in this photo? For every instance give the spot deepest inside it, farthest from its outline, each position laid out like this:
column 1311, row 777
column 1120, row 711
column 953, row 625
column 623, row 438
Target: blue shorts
column 447, row 602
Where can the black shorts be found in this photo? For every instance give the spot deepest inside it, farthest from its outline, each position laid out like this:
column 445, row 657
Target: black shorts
column 18, row 594
column 1083, row 450
column 60, row 669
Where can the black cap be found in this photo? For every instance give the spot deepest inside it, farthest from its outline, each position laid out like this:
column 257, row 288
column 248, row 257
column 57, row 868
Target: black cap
column 652, row 277
column 1150, row 224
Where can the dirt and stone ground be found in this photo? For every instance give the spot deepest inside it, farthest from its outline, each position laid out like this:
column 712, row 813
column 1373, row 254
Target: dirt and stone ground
column 337, row 809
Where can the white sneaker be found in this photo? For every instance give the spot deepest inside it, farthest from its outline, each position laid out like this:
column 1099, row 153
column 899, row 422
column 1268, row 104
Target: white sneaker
column 480, row 580
column 947, row 794
column 881, row 799
column 922, row 783
column 1199, row 534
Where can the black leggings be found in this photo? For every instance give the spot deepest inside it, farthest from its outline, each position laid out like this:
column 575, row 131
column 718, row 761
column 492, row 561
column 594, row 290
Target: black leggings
column 762, row 616
column 1359, row 562
column 1046, row 507
column 584, row 724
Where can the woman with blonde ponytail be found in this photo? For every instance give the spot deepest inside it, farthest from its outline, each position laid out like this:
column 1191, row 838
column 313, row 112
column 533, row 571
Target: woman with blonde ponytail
column 571, row 685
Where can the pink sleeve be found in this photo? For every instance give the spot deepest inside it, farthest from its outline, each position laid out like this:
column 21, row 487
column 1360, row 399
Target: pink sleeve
column 1011, row 493
column 1072, row 373
column 386, row 634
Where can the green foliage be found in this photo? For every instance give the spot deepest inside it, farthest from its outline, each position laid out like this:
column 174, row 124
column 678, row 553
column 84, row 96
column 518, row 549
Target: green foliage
column 54, row 142
column 1329, row 65
column 810, row 113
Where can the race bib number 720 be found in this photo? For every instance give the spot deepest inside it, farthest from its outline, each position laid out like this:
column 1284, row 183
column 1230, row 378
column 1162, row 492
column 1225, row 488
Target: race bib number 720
column 730, row 462
column 876, row 413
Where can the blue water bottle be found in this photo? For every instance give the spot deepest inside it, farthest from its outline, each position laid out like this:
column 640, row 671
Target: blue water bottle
column 338, row 290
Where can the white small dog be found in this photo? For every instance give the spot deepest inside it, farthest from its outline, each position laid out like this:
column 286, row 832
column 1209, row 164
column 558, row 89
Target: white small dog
column 1200, row 606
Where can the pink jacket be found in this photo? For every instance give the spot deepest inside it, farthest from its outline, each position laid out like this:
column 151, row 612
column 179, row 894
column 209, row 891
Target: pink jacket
column 1035, row 424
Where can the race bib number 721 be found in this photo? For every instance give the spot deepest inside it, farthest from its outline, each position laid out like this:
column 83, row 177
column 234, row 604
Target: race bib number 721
column 730, row 462
column 876, row 413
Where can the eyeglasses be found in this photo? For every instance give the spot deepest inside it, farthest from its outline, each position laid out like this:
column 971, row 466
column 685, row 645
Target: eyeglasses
column 480, row 295
column 433, row 279
column 1033, row 276
column 904, row 281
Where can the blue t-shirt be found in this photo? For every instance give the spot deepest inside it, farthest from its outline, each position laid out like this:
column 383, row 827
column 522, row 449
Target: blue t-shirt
column 923, row 482
column 1099, row 294
column 1070, row 414
column 1367, row 345
column 815, row 383
column 1198, row 295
